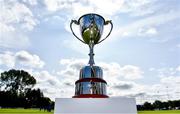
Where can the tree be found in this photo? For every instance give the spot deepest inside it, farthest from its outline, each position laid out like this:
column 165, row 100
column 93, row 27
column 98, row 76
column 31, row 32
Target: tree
column 148, row 106
column 158, row 104
column 33, row 98
column 16, row 90
column 16, row 81
column 46, row 104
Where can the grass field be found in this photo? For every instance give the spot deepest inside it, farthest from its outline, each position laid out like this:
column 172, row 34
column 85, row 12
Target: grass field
column 34, row 111
column 160, row 112
column 23, row 111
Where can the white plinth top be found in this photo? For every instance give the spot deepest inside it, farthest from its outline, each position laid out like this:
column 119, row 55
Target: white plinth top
column 95, row 106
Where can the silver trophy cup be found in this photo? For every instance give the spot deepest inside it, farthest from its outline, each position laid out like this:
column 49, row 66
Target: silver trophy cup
column 91, row 83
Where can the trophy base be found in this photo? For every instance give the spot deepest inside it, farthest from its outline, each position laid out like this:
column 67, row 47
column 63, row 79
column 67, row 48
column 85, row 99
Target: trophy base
column 91, row 96
column 95, row 106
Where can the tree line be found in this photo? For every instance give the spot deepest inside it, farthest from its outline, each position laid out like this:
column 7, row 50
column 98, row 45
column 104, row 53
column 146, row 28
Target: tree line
column 16, row 91
column 159, row 105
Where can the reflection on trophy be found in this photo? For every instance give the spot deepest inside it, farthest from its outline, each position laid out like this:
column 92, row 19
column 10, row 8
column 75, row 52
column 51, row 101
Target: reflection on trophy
column 91, row 83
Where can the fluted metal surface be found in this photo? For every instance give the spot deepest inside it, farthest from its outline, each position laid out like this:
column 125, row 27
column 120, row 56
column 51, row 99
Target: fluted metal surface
column 90, row 88
column 91, row 81
column 91, row 72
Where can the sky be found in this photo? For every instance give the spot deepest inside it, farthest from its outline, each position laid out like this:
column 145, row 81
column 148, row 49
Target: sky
column 141, row 57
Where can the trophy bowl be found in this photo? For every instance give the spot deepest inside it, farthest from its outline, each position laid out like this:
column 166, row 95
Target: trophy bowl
column 91, row 28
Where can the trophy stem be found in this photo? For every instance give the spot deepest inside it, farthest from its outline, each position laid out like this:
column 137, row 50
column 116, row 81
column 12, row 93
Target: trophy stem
column 91, row 54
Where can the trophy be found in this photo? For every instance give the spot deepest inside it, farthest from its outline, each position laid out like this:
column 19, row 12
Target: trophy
column 91, row 83
column 90, row 90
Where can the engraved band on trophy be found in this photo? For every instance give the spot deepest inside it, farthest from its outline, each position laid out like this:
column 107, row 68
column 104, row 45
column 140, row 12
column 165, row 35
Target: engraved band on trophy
column 91, row 83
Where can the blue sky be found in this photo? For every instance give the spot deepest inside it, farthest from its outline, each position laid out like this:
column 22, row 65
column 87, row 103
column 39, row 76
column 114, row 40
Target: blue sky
column 140, row 58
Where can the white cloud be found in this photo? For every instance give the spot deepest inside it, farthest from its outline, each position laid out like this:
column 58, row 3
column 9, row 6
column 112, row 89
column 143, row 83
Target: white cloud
column 168, row 71
column 16, row 13
column 151, row 69
column 108, row 7
column 165, row 90
column 74, row 64
column 131, row 72
column 79, row 9
column 168, row 86
column 151, row 31
column 170, row 76
column 71, row 68
column 5, row 28
column 48, row 83
column 13, row 39
column 138, row 7
column 147, row 31
column 55, row 85
column 15, row 20
column 7, row 59
column 54, row 5
column 171, row 80
column 144, row 25
column 31, row 2
column 178, row 68
column 26, row 59
column 114, row 74
column 22, row 58
column 45, row 77
column 125, row 88
column 104, row 7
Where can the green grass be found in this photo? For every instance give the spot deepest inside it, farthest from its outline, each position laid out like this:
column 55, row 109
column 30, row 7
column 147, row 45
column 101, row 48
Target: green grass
column 36, row 111
column 23, row 111
column 160, row 112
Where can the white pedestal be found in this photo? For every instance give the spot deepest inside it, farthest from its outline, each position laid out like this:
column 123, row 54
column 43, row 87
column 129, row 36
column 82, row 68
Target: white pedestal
column 95, row 106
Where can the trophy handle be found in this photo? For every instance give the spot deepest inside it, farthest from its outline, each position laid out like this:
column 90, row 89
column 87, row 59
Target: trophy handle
column 77, row 23
column 106, row 23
